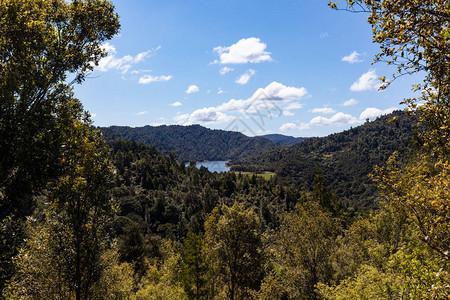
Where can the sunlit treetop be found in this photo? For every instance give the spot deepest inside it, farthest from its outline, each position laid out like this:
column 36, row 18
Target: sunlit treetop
column 414, row 36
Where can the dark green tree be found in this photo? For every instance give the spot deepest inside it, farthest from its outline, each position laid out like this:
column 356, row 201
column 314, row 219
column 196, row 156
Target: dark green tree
column 195, row 272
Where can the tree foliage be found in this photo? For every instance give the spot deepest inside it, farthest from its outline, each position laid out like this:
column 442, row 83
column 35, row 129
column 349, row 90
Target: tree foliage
column 66, row 253
column 42, row 42
column 304, row 245
column 414, row 37
column 234, row 244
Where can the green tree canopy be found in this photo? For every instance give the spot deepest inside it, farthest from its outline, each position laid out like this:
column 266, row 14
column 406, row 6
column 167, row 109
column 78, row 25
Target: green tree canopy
column 42, row 43
column 234, row 244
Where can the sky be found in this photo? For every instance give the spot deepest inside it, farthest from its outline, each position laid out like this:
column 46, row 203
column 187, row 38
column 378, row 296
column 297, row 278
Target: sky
column 293, row 67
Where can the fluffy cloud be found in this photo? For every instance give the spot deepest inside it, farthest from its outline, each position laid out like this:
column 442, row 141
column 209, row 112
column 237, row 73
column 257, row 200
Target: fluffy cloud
column 324, row 110
column 244, row 78
column 337, row 119
column 368, row 81
column 220, row 91
column 293, row 126
column 225, row 70
column 352, row 58
column 270, row 97
column 288, row 126
column 340, row 118
column 192, row 89
column 250, row 50
column 123, row 64
column 350, row 102
column 372, row 113
column 276, row 91
column 270, row 101
column 151, row 78
column 288, row 113
column 176, row 104
column 209, row 116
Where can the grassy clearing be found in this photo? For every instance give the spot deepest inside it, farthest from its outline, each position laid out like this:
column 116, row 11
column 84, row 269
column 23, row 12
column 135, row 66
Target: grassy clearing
column 266, row 175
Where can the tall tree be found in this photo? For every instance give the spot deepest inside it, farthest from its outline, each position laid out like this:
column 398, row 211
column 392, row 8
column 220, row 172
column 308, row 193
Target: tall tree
column 414, row 35
column 304, row 245
column 234, row 243
column 195, row 271
column 78, row 211
column 41, row 43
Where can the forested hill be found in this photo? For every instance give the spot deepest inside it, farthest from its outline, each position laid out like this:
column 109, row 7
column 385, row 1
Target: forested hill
column 345, row 158
column 191, row 142
column 283, row 140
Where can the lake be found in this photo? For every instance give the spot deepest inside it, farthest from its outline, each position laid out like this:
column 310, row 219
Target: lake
column 214, row 166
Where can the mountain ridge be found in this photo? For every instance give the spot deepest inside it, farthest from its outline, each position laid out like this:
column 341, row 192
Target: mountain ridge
column 191, row 143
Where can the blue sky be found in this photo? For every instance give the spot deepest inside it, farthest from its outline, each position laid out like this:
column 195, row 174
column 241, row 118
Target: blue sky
column 291, row 67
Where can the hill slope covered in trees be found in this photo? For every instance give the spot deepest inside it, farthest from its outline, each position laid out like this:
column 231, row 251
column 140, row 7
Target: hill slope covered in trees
column 191, row 142
column 346, row 158
column 283, row 140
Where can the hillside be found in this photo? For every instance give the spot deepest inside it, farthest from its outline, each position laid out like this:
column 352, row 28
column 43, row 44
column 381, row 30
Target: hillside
column 283, row 140
column 345, row 159
column 191, row 142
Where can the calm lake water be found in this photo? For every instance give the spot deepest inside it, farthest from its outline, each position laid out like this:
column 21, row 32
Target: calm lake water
column 214, row 166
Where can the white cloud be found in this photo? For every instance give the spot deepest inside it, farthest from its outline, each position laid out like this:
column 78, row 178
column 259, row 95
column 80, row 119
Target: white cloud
column 151, row 78
column 288, row 113
column 140, row 71
column 141, row 113
column 352, row 58
column 250, row 50
column 209, row 116
column 181, row 118
column 192, row 89
column 220, row 91
column 225, row 70
column 288, row 126
column 324, row 110
column 294, row 105
column 176, row 104
column 293, row 126
column 350, row 102
column 122, row 64
column 324, row 35
column 276, row 91
column 270, row 101
column 271, row 97
column 372, row 113
column 244, row 78
column 339, row 118
column 368, row 81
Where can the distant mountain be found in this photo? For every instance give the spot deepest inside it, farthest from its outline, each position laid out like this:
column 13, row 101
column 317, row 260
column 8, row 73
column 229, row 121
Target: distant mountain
column 283, row 140
column 191, row 142
column 345, row 158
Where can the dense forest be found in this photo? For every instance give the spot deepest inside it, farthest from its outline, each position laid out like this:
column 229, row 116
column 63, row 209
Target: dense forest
column 86, row 218
column 191, row 143
column 346, row 158
column 283, row 140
